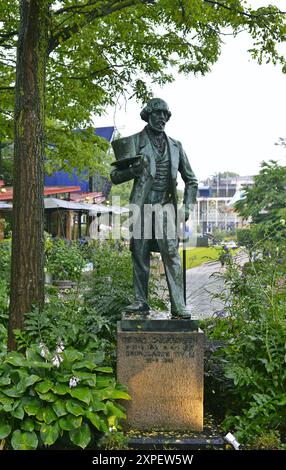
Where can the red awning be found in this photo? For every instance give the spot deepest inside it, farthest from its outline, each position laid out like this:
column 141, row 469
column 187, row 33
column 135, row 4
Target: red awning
column 6, row 194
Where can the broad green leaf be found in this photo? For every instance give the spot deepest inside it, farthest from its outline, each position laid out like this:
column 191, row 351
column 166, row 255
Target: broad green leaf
column 18, row 412
column 5, row 429
column 44, row 387
column 27, row 425
column 59, row 408
column 97, row 405
column 107, row 370
column 115, row 410
column 6, row 404
column 84, row 365
column 16, row 359
column 81, row 393
column 95, row 420
column 24, row 440
column 33, row 407
column 50, row 433
column 72, row 355
column 69, row 422
column 81, row 436
column 60, row 389
column 4, row 381
column 74, row 408
column 103, row 382
column 49, row 397
column 49, row 415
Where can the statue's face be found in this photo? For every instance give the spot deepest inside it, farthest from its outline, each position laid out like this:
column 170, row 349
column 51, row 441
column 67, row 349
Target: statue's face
column 157, row 120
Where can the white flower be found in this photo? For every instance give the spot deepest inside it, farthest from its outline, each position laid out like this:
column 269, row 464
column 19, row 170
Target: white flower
column 57, row 359
column 112, row 429
column 282, row 221
column 44, row 350
column 60, row 347
column 73, row 382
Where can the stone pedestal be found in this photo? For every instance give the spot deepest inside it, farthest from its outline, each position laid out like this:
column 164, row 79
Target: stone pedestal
column 161, row 362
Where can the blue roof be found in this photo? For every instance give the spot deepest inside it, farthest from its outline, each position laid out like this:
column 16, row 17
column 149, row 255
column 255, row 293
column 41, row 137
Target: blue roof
column 61, row 178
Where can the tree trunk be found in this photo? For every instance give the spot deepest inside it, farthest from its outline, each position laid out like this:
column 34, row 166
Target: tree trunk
column 27, row 272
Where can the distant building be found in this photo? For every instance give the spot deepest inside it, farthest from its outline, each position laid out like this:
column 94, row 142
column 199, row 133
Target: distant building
column 215, row 200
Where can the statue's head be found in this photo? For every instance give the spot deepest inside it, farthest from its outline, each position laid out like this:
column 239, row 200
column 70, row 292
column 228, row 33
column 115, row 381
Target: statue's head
column 156, row 113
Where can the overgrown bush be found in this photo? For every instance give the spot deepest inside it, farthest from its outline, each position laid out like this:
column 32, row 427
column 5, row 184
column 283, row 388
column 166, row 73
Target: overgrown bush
column 249, row 347
column 111, row 287
column 64, row 260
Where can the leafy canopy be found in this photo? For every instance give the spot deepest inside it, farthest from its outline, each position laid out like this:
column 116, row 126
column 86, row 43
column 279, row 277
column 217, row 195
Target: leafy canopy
column 100, row 49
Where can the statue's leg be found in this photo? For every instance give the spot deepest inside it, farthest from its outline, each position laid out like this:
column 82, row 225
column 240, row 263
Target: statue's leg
column 173, row 269
column 141, row 269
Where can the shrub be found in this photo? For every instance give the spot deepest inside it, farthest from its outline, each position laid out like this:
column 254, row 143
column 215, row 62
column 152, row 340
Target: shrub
column 64, row 260
column 251, row 355
column 45, row 397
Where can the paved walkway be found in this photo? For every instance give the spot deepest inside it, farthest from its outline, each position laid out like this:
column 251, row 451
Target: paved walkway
column 202, row 284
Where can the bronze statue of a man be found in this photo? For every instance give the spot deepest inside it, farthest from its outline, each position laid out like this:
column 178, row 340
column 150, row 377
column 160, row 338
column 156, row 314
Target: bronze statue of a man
column 155, row 177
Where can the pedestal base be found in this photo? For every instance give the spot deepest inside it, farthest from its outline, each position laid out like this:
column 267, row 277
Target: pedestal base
column 164, row 374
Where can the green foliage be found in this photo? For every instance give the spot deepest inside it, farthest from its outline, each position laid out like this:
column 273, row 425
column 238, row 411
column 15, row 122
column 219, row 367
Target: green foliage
column 113, row 441
column 46, row 396
column 64, row 260
column 265, row 202
column 5, row 259
column 249, row 378
column 112, row 282
column 100, row 50
column 268, row 440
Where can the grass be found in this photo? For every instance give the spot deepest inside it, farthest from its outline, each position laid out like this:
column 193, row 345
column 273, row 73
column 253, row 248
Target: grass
column 201, row 255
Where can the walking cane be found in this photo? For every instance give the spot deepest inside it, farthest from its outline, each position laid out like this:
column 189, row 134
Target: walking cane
column 185, row 239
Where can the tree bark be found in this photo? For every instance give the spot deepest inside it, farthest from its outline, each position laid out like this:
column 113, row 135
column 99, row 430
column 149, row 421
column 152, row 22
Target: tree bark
column 27, row 271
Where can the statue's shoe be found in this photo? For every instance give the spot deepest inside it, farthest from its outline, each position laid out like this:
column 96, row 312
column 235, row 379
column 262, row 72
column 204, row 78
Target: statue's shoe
column 183, row 314
column 137, row 307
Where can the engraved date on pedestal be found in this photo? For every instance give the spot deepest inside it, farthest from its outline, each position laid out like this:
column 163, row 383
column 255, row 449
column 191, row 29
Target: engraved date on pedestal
column 159, row 349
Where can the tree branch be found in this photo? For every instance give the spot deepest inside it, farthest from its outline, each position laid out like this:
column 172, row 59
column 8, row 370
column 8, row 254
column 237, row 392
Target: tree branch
column 243, row 12
column 89, row 16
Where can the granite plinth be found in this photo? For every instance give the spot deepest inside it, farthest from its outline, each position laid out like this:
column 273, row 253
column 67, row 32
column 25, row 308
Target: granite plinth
column 163, row 370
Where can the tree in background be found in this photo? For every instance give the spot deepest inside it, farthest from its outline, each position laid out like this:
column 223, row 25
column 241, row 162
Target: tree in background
column 76, row 57
column 264, row 203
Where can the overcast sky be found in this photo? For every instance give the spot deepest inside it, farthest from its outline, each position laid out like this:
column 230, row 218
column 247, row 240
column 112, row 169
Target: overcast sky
column 228, row 120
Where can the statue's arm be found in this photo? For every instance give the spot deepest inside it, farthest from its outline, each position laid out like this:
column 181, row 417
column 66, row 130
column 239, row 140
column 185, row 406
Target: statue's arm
column 189, row 178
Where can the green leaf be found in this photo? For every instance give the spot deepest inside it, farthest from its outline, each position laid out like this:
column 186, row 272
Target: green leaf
column 115, row 410
column 6, row 404
column 18, row 412
column 24, row 440
column 49, row 415
column 71, row 355
column 27, row 425
column 69, row 422
column 84, row 365
column 97, row 405
column 81, row 393
column 95, row 420
column 4, row 381
column 5, row 429
column 44, row 386
column 49, row 397
column 74, row 408
column 60, row 389
column 59, row 408
column 33, row 407
column 16, row 359
column 81, row 437
column 50, row 433
column 107, row 370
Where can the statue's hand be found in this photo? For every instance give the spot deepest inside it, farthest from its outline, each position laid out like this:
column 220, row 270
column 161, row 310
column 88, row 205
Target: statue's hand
column 138, row 166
